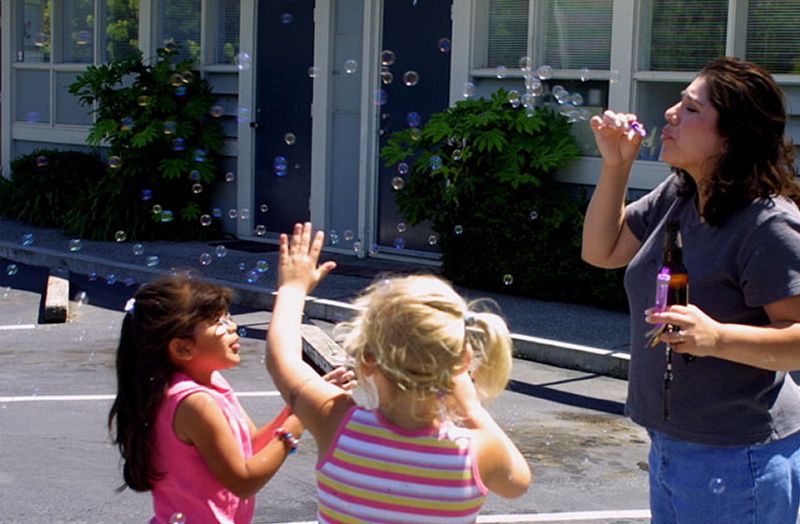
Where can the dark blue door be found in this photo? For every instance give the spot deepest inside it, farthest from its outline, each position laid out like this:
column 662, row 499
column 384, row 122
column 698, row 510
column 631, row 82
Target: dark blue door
column 416, row 44
column 283, row 112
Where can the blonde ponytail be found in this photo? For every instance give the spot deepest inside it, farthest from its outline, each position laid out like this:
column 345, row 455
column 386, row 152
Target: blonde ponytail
column 492, row 353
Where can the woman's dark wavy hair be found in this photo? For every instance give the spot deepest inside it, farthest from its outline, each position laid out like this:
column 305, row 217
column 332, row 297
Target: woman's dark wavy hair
column 758, row 161
column 166, row 308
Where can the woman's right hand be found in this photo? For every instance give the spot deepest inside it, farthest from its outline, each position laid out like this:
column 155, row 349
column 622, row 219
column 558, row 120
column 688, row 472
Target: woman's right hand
column 616, row 140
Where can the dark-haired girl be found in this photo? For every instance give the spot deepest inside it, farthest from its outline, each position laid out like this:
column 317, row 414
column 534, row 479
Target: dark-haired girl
column 180, row 430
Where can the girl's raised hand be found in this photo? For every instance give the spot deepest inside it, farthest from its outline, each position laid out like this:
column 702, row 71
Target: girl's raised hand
column 298, row 263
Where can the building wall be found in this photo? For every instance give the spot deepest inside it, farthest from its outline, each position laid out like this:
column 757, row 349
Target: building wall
column 630, row 55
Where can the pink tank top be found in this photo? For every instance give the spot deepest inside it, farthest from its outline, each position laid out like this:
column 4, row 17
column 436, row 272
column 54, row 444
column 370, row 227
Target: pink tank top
column 375, row 471
column 187, row 485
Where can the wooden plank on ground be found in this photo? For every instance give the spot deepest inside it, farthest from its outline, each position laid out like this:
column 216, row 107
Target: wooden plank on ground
column 320, row 350
column 56, row 301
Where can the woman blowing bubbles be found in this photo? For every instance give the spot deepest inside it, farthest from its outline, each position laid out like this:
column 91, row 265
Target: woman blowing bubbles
column 730, row 449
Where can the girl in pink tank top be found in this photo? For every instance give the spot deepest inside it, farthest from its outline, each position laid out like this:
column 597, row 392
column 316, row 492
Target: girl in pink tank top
column 180, row 430
column 426, row 450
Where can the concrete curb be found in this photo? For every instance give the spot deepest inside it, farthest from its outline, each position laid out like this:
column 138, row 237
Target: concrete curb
column 546, row 351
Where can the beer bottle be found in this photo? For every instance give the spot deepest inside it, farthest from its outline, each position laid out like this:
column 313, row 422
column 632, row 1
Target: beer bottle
column 672, row 263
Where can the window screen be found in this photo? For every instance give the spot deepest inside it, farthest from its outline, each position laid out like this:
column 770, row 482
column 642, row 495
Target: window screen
column 77, row 32
column 180, row 22
column 33, row 35
column 226, row 37
column 121, row 29
column 686, row 34
column 508, row 32
column 577, row 34
column 773, row 35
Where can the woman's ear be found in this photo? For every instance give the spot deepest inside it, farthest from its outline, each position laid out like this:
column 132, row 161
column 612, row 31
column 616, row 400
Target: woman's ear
column 181, row 350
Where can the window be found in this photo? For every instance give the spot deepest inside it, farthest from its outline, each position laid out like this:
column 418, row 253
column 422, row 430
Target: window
column 54, row 41
column 508, row 32
column 179, row 22
column 577, row 34
column 685, row 34
column 773, row 35
column 226, row 43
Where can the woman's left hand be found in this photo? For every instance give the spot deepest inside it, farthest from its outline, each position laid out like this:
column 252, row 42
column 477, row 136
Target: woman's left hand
column 698, row 335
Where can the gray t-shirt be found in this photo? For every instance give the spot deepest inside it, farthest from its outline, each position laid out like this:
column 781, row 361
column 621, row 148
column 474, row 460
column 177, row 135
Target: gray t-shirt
column 734, row 270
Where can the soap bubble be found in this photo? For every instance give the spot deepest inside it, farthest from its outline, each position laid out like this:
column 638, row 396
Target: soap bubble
column 157, row 209
column 399, row 242
column 333, row 237
column 402, row 168
column 289, row 138
column 286, row 18
column 217, row 111
column 387, row 57
column 138, row 249
column 170, row 127
column 75, row 244
column 177, row 518
column 120, row 236
column 444, row 45
column 544, row 72
column 458, row 229
column 413, row 119
column 348, row 235
column 264, row 208
column 533, row 215
column 205, row 220
column 197, row 188
column 243, row 61
column 500, row 72
column 152, row 261
column 525, row 64
column 166, row 216
column 41, row 161
column 313, row 71
column 508, row 279
column 350, row 66
column 398, row 183
column 411, row 78
column 261, row 230
column 221, row 251
column 433, row 239
column 230, row 176
column 27, row 239
column 585, row 74
column 205, row 259
column 147, row 194
column 242, row 331
column 468, row 90
column 401, row 227
column 717, row 486
column 262, row 266
column 12, row 269
column 114, row 162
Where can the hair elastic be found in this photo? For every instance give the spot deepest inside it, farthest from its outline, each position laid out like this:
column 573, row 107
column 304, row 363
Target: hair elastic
column 469, row 318
column 130, row 305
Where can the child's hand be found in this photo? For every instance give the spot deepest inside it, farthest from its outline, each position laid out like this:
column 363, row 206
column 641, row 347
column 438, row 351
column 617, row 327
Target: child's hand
column 299, row 257
column 342, row 377
column 465, row 394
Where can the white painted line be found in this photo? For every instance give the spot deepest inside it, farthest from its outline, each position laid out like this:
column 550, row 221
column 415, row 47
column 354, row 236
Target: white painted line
column 17, row 326
column 47, row 398
column 570, row 516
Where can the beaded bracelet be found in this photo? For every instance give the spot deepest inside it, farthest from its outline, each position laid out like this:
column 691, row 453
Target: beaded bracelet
column 288, row 437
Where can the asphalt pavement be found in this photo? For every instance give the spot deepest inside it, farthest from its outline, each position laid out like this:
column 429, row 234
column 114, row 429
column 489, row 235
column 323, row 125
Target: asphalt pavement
column 57, row 382
column 566, row 335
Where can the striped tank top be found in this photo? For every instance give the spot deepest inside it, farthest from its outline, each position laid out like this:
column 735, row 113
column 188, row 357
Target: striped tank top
column 376, row 472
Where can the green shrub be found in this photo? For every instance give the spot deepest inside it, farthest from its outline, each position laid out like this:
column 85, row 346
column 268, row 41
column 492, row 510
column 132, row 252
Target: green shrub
column 45, row 185
column 163, row 142
column 482, row 172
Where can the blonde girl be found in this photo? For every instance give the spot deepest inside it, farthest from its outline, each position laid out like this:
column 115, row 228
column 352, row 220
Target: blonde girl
column 429, row 451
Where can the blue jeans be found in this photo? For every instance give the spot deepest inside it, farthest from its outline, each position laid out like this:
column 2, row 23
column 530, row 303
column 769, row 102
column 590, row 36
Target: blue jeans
column 694, row 483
